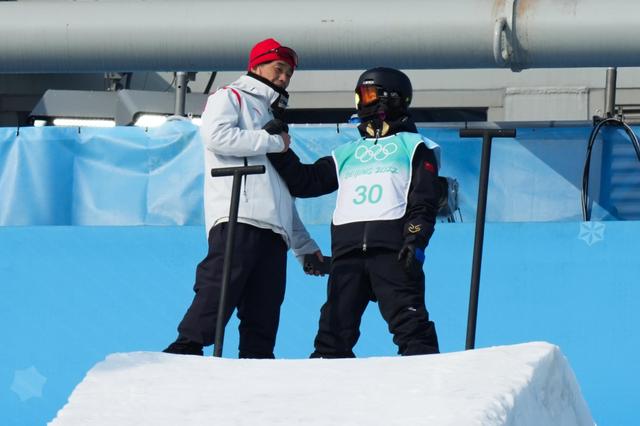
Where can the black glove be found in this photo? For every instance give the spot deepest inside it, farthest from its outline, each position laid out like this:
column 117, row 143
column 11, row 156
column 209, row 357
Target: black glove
column 276, row 126
column 411, row 258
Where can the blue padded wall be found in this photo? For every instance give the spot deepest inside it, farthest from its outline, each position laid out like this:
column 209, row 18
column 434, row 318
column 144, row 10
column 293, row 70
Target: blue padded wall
column 78, row 281
column 69, row 296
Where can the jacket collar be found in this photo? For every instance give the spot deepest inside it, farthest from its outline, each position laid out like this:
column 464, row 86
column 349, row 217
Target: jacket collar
column 403, row 124
column 258, row 86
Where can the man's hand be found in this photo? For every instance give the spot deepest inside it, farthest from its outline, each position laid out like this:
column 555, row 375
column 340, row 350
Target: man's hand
column 411, row 258
column 287, row 141
column 311, row 269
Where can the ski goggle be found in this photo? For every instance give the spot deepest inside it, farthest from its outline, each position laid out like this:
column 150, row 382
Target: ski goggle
column 367, row 94
column 282, row 52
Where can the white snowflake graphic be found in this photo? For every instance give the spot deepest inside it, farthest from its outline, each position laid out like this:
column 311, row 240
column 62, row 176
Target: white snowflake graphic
column 28, row 383
column 591, row 232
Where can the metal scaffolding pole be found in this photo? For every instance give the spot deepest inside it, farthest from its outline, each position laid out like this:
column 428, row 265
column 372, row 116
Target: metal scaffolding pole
column 181, row 92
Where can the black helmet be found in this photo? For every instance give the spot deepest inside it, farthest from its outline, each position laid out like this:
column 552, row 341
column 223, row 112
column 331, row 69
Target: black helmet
column 383, row 86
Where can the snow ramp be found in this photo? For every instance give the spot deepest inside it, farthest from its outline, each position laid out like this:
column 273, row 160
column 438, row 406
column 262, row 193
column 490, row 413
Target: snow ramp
column 524, row 384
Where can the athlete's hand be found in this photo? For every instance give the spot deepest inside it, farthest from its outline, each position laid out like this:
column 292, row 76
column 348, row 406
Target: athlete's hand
column 276, row 126
column 412, row 259
column 279, row 127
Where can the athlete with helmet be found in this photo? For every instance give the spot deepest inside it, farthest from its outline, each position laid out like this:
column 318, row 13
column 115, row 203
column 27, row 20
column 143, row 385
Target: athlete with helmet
column 387, row 201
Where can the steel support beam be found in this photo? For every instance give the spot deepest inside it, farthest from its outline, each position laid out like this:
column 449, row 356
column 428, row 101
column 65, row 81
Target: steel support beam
column 135, row 35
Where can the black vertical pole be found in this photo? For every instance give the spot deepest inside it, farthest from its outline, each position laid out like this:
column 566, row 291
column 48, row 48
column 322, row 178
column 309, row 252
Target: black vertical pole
column 237, row 173
column 483, row 183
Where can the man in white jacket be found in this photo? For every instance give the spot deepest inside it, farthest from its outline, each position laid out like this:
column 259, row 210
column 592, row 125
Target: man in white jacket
column 241, row 123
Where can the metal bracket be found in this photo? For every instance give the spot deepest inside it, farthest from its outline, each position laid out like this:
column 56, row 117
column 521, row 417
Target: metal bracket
column 501, row 47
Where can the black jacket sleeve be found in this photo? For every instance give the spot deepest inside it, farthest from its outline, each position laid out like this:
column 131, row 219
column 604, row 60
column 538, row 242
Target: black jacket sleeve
column 423, row 199
column 305, row 180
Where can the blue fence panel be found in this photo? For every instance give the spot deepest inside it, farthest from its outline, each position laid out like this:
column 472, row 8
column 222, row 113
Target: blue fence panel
column 129, row 176
column 118, row 176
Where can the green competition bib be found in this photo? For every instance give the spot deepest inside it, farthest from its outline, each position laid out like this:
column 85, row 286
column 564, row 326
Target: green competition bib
column 374, row 178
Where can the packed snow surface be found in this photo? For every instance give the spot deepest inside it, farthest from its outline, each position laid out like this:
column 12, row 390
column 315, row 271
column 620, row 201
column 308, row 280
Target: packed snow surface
column 525, row 384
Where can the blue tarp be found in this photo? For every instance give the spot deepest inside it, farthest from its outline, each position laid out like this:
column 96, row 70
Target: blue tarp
column 132, row 176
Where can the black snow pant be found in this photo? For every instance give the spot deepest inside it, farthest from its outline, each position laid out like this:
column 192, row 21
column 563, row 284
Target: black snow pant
column 256, row 289
column 355, row 279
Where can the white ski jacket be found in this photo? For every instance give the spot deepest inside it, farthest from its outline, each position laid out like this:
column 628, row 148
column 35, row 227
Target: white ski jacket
column 232, row 135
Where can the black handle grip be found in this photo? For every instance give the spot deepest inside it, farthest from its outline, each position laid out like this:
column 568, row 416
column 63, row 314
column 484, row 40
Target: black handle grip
column 242, row 170
column 496, row 133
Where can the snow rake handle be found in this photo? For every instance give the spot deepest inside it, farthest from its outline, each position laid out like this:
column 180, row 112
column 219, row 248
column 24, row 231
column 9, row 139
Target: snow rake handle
column 237, row 173
column 487, row 136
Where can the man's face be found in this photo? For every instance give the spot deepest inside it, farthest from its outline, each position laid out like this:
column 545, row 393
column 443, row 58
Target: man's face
column 277, row 72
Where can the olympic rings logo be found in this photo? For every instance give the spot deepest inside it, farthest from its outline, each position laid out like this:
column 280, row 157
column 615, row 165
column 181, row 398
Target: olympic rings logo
column 377, row 152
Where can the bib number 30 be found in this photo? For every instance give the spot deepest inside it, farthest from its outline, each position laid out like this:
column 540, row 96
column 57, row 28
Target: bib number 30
column 370, row 195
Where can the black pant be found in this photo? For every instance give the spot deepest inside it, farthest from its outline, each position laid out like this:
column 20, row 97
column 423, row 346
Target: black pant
column 355, row 279
column 256, row 289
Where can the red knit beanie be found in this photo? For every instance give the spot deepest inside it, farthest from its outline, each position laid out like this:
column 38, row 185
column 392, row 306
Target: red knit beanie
column 270, row 50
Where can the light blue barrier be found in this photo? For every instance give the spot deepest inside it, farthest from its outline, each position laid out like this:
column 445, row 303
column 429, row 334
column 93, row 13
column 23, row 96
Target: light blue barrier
column 119, row 176
column 129, row 176
column 69, row 296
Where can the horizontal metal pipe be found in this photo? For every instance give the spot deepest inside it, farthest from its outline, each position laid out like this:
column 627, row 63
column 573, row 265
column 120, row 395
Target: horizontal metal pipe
column 105, row 36
column 576, row 33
